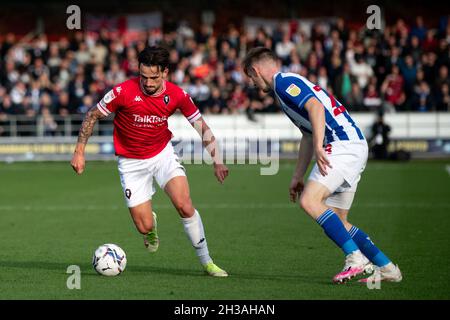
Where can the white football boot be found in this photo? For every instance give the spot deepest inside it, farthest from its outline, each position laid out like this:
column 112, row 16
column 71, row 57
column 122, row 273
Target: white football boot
column 389, row 272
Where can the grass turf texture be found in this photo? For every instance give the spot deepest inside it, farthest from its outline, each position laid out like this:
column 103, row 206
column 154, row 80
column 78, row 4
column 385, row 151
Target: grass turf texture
column 51, row 218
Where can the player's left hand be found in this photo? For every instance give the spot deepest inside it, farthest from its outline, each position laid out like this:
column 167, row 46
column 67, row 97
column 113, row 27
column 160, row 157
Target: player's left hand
column 322, row 161
column 220, row 171
column 296, row 188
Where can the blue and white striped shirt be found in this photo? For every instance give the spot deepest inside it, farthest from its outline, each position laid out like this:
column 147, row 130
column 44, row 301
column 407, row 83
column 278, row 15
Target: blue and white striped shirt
column 293, row 91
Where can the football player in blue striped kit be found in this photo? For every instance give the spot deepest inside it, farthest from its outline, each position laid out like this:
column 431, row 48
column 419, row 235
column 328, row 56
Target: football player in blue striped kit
column 340, row 150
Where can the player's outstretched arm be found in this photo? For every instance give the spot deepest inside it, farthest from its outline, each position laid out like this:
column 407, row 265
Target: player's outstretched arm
column 78, row 161
column 316, row 114
column 210, row 144
column 305, row 154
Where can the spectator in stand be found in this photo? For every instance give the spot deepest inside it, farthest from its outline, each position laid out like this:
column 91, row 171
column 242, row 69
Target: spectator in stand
column 408, row 70
column 63, row 107
column 422, row 98
column 419, row 29
column 86, row 105
column 284, row 48
column 443, row 77
column 355, row 100
column 343, row 84
column 295, row 65
column 114, row 75
column 372, row 100
column 414, row 49
column 239, row 101
column 312, row 63
column 322, row 78
column 392, row 89
column 50, row 125
column 359, row 68
column 429, row 66
column 443, row 98
column 216, row 103
column 303, row 45
column 430, row 43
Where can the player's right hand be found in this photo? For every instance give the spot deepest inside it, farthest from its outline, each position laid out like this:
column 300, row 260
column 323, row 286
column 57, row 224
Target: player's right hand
column 322, row 161
column 78, row 162
column 296, row 188
column 221, row 172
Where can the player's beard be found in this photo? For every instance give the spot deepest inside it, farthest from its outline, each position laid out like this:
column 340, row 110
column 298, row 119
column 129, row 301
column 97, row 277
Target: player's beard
column 149, row 92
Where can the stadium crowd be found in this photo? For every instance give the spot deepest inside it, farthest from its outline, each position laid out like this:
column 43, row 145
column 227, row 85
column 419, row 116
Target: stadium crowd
column 401, row 68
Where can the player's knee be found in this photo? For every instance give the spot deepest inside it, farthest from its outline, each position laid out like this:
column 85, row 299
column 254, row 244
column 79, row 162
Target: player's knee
column 144, row 226
column 184, row 207
column 307, row 203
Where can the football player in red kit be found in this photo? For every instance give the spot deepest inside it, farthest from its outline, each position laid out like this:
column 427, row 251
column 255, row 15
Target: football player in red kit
column 141, row 107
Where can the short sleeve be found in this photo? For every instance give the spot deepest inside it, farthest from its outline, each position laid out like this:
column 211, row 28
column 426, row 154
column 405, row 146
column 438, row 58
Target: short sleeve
column 110, row 102
column 294, row 90
column 188, row 108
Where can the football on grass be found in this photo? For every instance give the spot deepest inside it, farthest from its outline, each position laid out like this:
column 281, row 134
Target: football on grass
column 109, row 260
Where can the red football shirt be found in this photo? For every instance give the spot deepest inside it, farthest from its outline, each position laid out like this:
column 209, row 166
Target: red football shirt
column 140, row 122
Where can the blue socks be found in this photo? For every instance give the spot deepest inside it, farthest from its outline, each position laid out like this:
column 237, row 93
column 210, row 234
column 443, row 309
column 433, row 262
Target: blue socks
column 368, row 248
column 352, row 240
column 336, row 231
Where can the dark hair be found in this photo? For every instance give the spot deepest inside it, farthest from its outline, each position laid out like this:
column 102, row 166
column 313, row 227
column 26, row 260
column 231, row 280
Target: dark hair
column 257, row 54
column 154, row 56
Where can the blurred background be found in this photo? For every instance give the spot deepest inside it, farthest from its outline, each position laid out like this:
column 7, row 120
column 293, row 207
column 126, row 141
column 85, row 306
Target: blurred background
column 394, row 81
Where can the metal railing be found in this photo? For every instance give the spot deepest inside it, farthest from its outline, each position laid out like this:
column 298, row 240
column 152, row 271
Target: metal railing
column 404, row 125
column 57, row 126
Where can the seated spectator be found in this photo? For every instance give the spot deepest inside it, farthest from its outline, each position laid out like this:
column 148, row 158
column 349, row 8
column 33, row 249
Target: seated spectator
column 63, row 107
column 359, row 68
column 38, row 68
column 392, row 89
column 419, row 31
column 408, row 70
column 303, row 45
column 372, row 100
column 430, row 43
column 294, row 65
column 355, row 100
column 115, row 75
column 442, row 77
column 284, row 48
column 422, row 98
column 443, row 98
column 48, row 121
column 239, row 101
column 322, row 78
column 88, row 103
column 343, row 84
column 216, row 102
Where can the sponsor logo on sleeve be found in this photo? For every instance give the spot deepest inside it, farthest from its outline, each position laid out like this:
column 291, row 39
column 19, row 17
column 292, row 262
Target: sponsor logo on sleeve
column 293, row 90
column 110, row 96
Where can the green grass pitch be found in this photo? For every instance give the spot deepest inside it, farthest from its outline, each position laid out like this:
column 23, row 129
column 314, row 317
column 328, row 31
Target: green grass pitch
column 50, row 219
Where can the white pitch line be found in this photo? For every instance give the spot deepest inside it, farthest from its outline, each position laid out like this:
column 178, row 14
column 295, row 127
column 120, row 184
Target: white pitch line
column 220, row 206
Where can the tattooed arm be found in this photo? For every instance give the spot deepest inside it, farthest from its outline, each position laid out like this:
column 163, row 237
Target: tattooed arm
column 78, row 161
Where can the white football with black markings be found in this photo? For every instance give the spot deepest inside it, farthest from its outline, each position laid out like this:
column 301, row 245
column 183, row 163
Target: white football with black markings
column 109, row 260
